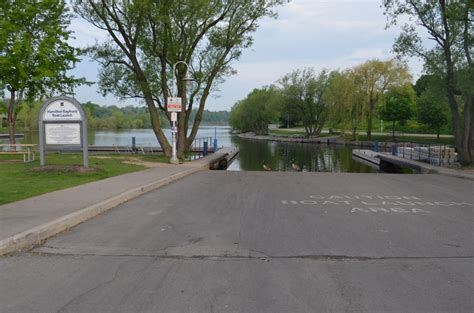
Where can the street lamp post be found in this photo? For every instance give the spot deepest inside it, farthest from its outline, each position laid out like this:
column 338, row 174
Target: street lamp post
column 175, row 111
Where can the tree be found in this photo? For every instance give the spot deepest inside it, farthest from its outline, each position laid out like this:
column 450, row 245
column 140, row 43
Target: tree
column 431, row 111
column 304, row 96
column 375, row 77
column 346, row 101
column 449, row 25
column 397, row 106
column 34, row 53
column 148, row 37
column 260, row 108
column 432, row 103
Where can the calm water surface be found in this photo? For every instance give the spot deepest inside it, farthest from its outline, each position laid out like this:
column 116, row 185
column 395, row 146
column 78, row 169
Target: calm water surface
column 279, row 156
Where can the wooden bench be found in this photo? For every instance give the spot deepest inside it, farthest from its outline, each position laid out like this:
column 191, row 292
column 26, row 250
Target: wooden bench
column 28, row 154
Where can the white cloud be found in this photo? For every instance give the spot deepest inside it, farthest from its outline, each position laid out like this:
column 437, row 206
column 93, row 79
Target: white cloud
column 308, row 33
column 86, row 34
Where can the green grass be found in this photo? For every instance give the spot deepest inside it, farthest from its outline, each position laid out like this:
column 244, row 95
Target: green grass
column 294, row 132
column 287, row 132
column 19, row 180
column 384, row 138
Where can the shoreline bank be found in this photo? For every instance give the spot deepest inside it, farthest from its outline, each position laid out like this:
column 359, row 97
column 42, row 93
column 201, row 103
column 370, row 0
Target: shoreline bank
column 334, row 140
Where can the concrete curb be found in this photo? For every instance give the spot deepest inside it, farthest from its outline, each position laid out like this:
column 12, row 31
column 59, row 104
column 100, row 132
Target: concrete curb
column 35, row 235
column 424, row 168
column 454, row 174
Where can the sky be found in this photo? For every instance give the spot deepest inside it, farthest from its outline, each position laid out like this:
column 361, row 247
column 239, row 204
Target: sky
column 307, row 33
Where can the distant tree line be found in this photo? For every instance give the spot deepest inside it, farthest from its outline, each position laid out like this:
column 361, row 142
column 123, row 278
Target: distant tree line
column 349, row 100
column 106, row 117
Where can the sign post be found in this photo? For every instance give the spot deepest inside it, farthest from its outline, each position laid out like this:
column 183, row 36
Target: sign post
column 174, row 106
column 62, row 121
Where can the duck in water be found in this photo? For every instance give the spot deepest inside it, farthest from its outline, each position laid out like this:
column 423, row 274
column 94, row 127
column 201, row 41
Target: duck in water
column 295, row 166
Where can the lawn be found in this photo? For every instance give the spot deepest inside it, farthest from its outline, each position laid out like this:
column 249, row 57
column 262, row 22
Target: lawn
column 20, row 180
column 294, row 132
column 385, row 138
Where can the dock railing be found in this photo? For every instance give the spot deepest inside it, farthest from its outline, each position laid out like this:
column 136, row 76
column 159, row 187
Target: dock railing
column 433, row 153
column 201, row 147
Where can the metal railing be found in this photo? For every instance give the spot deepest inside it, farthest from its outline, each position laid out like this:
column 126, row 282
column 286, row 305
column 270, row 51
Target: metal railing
column 201, row 147
column 433, row 153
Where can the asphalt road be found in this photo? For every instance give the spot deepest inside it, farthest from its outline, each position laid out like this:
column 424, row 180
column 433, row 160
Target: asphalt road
column 261, row 242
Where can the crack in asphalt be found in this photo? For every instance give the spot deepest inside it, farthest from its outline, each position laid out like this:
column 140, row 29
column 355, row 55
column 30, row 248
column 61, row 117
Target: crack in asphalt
column 86, row 292
column 225, row 257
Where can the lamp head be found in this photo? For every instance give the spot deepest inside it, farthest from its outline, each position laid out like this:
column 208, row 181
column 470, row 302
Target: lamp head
column 187, row 79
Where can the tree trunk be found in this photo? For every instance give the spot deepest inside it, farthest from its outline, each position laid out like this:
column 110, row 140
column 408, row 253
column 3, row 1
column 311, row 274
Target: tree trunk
column 466, row 136
column 11, row 118
column 455, row 123
column 181, row 147
column 451, row 92
column 393, row 129
column 437, row 133
column 369, row 119
column 471, row 135
column 148, row 97
column 453, row 105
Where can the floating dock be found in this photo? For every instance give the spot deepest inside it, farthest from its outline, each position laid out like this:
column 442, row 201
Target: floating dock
column 368, row 157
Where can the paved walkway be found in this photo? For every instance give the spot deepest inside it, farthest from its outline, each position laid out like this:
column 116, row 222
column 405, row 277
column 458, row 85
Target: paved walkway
column 29, row 221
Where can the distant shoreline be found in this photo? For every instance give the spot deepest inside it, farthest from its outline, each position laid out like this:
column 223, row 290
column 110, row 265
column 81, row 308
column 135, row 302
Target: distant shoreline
column 332, row 140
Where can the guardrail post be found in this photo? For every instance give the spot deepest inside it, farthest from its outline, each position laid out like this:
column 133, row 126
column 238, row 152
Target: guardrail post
column 376, row 146
column 394, row 149
column 205, row 148
column 429, row 153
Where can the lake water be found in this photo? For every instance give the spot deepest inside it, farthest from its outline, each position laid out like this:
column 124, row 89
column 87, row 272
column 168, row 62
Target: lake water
column 253, row 154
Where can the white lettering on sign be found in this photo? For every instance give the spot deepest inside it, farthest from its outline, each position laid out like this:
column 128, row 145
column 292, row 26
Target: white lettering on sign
column 61, row 110
column 174, row 116
column 63, row 134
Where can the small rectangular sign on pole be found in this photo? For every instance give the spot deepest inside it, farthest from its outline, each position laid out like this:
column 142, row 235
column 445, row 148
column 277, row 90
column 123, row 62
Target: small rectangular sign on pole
column 174, row 104
column 174, row 116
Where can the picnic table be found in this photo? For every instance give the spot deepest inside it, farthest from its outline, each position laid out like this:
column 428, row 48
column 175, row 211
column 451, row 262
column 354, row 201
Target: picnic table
column 28, row 154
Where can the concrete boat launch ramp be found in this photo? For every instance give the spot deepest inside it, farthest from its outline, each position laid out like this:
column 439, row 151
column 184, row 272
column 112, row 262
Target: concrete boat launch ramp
column 261, row 242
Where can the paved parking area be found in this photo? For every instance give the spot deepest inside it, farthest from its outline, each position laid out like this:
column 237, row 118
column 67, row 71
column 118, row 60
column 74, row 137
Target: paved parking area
column 261, row 242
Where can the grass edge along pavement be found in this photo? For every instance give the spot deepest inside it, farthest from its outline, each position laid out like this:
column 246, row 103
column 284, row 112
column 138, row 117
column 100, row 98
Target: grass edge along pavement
column 33, row 235
column 24, row 180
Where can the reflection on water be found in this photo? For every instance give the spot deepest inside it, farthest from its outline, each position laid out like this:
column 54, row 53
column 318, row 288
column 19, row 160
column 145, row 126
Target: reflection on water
column 253, row 154
column 285, row 156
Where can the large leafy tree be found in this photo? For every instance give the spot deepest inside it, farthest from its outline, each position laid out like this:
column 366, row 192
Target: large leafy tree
column 431, row 112
column 346, row 97
column 304, row 94
column 432, row 108
column 449, row 25
column 260, row 108
column 375, row 77
column 398, row 104
column 148, row 37
column 34, row 53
